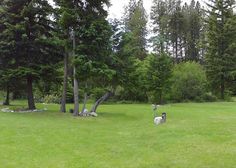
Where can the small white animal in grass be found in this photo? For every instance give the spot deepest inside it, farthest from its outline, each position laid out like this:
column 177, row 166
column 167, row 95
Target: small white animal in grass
column 157, row 120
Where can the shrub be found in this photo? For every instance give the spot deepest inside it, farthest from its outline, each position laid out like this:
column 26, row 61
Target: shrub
column 159, row 75
column 98, row 92
column 188, row 82
column 209, row 97
column 51, row 99
column 38, row 96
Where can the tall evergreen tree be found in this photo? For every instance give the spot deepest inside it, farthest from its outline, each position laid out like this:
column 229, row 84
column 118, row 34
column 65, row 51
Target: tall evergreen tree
column 230, row 35
column 135, row 23
column 176, row 25
column 69, row 16
column 94, row 49
column 128, row 13
column 131, row 49
column 85, row 33
column 219, row 58
column 177, row 28
column 160, row 20
column 5, row 52
column 159, row 73
column 31, row 27
column 193, row 31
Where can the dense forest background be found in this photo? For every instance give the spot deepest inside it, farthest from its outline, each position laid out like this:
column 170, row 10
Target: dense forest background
column 70, row 52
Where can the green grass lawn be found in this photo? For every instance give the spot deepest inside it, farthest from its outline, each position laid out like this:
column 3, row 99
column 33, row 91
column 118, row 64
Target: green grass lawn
column 123, row 136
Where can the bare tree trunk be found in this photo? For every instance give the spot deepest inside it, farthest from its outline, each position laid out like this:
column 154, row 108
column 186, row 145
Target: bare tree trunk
column 31, row 104
column 173, row 51
column 176, row 51
column 76, row 95
column 63, row 99
column 76, row 87
column 181, row 49
column 100, row 100
column 85, row 101
column 7, row 100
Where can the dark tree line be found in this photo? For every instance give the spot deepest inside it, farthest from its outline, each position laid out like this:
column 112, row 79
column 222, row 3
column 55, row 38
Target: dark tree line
column 70, row 51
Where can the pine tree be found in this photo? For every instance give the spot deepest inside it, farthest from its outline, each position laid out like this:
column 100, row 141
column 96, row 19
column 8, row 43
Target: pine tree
column 93, row 51
column 193, row 30
column 230, row 53
column 175, row 28
column 168, row 22
column 5, row 53
column 128, row 14
column 160, row 19
column 131, row 50
column 218, row 55
column 31, row 37
column 135, row 23
column 86, row 36
column 159, row 73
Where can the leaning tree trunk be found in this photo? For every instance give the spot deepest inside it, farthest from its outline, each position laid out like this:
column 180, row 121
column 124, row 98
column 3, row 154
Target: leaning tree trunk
column 100, row 100
column 31, row 104
column 7, row 100
column 63, row 99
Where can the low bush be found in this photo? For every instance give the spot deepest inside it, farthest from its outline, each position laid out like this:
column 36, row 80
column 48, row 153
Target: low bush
column 51, row 99
column 188, row 82
column 209, row 97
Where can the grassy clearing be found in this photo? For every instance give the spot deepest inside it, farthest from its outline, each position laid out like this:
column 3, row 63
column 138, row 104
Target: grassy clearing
column 123, row 136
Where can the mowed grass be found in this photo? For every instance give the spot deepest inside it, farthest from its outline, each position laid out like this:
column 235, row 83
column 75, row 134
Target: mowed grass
column 123, row 136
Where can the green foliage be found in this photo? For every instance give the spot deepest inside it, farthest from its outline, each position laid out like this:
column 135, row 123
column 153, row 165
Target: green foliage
column 135, row 20
column 189, row 82
column 221, row 57
column 230, row 54
column 158, row 77
column 209, row 97
column 193, row 31
column 97, row 93
column 178, row 29
column 51, row 99
column 126, row 65
column 94, row 59
column 27, row 40
column 34, row 36
column 67, row 19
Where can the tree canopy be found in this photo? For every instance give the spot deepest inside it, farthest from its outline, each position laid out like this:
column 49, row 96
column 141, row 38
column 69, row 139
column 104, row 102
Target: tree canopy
column 71, row 51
